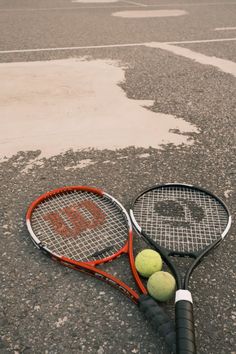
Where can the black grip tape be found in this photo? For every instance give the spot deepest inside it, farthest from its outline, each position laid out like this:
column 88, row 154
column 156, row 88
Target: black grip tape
column 159, row 320
column 185, row 327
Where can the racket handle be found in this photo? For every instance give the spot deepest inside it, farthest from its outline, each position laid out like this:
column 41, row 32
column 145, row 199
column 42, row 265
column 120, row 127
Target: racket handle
column 185, row 326
column 159, row 320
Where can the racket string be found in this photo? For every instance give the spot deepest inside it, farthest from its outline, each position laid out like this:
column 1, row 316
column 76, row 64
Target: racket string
column 180, row 218
column 111, row 228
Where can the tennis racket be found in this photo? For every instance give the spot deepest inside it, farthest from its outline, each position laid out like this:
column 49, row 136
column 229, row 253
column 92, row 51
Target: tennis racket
column 181, row 220
column 83, row 228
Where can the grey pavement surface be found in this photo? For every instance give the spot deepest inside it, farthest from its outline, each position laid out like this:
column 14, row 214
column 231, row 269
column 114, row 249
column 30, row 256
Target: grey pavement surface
column 46, row 308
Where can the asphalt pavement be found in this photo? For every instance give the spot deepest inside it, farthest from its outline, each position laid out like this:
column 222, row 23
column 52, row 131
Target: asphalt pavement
column 180, row 66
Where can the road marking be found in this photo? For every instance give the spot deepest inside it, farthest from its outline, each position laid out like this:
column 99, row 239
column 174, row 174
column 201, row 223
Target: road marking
column 149, row 13
column 115, row 6
column 112, row 46
column 134, row 3
column 225, row 29
column 94, row 1
column 227, row 66
column 71, row 48
column 204, row 41
column 196, row 4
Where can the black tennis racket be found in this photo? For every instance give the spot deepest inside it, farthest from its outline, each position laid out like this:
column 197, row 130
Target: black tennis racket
column 181, row 220
column 83, row 228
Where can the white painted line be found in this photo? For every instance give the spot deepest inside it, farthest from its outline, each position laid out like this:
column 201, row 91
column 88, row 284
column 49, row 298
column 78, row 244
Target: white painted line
column 149, row 13
column 135, row 3
column 111, row 46
column 226, row 66
column 197, row 4
column 71, row 48
column 114, row 6
column 204, row 41
column 66, row 8
column 94, row 1
column 225, row 29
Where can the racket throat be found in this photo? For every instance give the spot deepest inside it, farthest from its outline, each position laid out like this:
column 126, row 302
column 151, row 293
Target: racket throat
column 102, row 251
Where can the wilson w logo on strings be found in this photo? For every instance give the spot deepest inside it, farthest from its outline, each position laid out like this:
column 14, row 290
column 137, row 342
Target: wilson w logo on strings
column 72, row 220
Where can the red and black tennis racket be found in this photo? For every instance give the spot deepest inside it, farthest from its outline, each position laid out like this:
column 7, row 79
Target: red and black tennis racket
column 82, row 228
column 181, row 220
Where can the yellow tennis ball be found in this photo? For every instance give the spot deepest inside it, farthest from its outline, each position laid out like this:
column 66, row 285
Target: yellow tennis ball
column 161, row 286
column 148, row 262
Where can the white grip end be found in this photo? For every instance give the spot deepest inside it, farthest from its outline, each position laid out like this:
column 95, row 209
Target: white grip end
column 183, row 295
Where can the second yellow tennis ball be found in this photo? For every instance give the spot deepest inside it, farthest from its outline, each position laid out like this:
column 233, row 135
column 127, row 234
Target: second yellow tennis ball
column 148, row 262
column 161, row 286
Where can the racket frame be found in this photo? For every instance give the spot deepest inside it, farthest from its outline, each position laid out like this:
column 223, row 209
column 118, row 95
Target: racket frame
column 183, row 297
column 166, row 253
column 147, row 305
column 90, row 266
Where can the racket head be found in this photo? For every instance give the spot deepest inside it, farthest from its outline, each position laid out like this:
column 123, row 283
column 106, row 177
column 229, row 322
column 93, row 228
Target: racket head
column 60, row 221
column 79, row 223
column 181, row 219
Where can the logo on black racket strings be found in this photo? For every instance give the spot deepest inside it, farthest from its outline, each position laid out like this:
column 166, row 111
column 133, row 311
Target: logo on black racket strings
column 73, row 220
column 179, row 213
